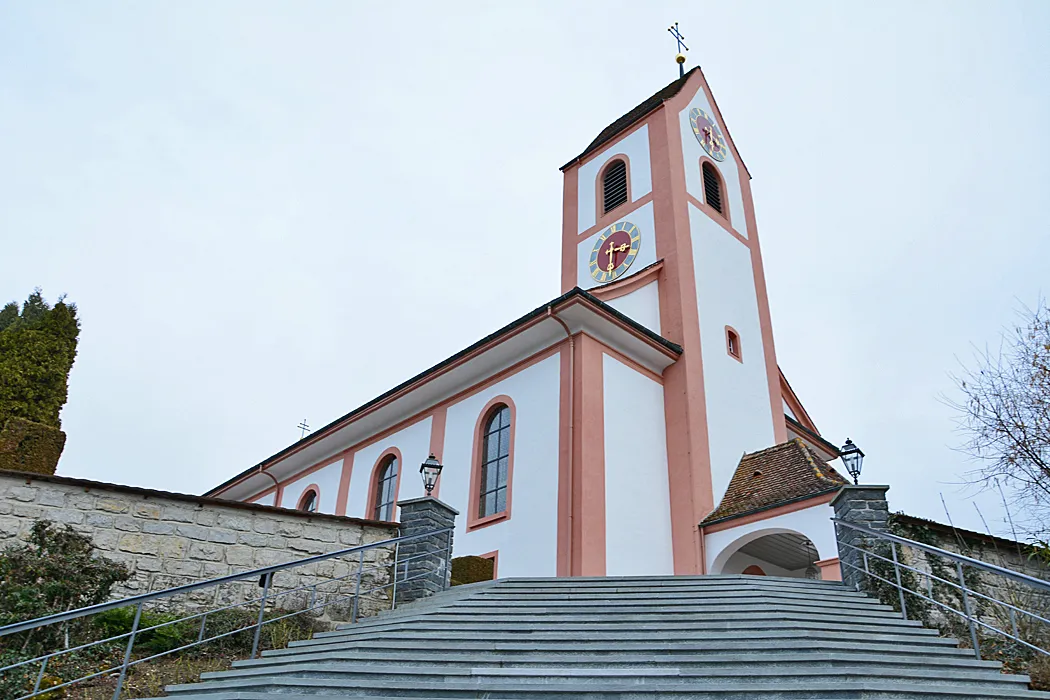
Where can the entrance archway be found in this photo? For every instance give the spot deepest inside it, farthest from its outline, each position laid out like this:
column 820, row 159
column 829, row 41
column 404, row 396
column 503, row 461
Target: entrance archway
column 770, row 553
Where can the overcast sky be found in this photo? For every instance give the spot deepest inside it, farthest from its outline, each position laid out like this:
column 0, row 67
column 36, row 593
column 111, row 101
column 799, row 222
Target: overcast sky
column 275, row 211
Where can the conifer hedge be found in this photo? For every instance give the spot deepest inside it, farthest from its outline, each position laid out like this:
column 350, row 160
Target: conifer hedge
column 38, row 344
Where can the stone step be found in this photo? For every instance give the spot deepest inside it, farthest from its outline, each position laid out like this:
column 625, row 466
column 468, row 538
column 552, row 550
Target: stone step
column 838, row 687
column 671, row 602
column 624, row 629
column 772, row 658
column 674, row 580
column 450, row 639
column 935, row 647
column 526, row 622
column 728, row 589
column 352, row 675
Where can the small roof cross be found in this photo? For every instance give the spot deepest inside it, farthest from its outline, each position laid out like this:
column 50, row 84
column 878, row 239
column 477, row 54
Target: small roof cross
column 303, row 427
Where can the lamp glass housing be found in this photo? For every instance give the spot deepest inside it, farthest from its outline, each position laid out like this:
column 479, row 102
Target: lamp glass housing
column 430, row 471
column 852, row 458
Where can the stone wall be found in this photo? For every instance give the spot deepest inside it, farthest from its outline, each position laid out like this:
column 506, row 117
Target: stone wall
column 168, row 539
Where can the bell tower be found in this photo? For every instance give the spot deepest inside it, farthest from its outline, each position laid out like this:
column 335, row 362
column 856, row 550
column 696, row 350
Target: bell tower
column 658, row 221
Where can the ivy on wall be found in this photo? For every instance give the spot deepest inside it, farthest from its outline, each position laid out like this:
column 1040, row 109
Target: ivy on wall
column 38, row 344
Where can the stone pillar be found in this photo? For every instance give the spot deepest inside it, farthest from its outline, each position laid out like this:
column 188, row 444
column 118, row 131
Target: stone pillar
column 426, row 561
column 866, row 506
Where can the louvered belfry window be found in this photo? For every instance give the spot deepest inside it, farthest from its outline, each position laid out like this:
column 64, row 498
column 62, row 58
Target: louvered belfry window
column 712, row 187
column 614, row 185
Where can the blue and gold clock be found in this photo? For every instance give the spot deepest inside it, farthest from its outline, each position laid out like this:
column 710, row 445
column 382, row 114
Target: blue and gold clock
column 615, row 251
column 708, row 133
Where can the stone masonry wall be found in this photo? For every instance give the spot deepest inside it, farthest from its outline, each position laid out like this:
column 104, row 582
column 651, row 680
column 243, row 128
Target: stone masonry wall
column 168, row 539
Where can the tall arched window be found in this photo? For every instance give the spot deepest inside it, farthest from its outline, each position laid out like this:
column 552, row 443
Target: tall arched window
column 385, row 489
column 712, row 187
column 495, row 462
column 614, row 185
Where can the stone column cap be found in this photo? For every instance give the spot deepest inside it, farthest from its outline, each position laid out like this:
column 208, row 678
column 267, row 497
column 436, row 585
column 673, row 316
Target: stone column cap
column 430, row 500
column 853, row 488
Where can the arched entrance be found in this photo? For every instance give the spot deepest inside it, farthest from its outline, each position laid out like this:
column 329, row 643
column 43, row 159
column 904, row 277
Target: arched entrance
column 775, row 553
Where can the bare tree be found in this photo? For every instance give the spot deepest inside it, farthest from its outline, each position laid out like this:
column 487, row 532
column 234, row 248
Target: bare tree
column 1004, row 414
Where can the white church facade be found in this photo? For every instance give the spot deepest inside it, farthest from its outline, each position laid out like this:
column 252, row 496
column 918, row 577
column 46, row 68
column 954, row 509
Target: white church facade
column 638, row 423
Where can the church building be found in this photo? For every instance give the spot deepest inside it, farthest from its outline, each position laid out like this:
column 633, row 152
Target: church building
column 638, row 424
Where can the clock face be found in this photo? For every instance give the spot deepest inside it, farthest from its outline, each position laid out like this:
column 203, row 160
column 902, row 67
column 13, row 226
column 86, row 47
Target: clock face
column 614, row 251
column 708, row 133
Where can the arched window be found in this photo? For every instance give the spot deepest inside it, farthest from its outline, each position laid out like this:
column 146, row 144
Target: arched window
column 733, row 344
column 753, row 570
column 495, row 462
column 614, row 185
column 385, row 489
column 308, row 501
column 712, row 187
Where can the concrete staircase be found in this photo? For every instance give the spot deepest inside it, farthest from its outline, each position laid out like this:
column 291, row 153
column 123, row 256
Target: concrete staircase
column 724, row 637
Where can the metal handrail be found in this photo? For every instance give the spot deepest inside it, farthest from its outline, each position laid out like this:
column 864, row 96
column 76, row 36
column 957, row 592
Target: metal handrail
column 264, row 574
column 1008, row 573
column 973, row 621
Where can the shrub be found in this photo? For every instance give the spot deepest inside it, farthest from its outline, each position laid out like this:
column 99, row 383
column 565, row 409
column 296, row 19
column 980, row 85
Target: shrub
column 471, row 570
column 54, row 571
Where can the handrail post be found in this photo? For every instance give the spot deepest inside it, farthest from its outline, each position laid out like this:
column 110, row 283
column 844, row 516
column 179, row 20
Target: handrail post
column 900, row 586
column 259, row 621
column 127, row 652
column 357, row 586
column 393, row 585
column 428, row 571
column 968, row 609
column 862, row 505
column 40, row 676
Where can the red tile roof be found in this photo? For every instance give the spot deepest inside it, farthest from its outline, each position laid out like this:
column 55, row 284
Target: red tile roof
column 780, row 474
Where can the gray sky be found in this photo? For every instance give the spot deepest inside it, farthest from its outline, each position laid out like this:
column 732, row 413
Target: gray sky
column 269, row 211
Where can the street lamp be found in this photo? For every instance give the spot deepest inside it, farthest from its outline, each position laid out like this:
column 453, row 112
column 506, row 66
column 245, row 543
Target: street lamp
column 853, row 458
column 430, row 470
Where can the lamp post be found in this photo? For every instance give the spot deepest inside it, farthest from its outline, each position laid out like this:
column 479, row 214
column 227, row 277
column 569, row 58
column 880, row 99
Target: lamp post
column 853, row 458
column 430, row 470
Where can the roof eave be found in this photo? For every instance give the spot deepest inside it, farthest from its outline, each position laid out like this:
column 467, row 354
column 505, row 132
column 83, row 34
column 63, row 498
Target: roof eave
column 573, row 296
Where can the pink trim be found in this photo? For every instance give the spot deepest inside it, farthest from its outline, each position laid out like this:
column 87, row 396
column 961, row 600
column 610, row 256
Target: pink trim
column 765, row 321
column 602, row 217
column 464, row 393
column 344, row 484
column 316, row 490
column 614, row 143
column 621, row 212
column 473, row 501
column 569, row 224
column 733, row 339
column 370, row 508
column 624, row 286
column 771, row 513
column 617, row 355
column 829, row 569
column 723, row 190
column 494, row 556
column 717, row 218
column 791, row 399
column 437, row 440
column 685, row 407
column 753, row 570
column 565, row 447
column 588, row 459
